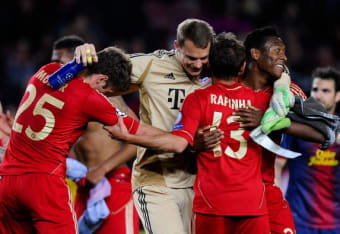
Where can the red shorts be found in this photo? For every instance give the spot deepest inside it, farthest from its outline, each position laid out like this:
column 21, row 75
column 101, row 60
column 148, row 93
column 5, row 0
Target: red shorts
column 36, row 203
column 123, row 217
column 280, row 216
column 216, row 224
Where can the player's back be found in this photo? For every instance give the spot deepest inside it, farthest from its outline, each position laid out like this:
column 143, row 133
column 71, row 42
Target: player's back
column 49, row 121
column 230, row 174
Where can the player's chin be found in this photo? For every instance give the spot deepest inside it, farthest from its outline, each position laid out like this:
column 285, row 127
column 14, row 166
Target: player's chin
column 276, row 75
column 277, row 72
column 195, row 73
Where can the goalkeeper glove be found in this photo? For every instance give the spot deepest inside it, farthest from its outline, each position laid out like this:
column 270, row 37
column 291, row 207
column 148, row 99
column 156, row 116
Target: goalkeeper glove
column 271, row 121
column 282, row 98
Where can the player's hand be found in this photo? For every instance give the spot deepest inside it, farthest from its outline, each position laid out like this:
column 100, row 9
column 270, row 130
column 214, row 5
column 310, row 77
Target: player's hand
column 95, row 175
column 206, row 139
column 271, row 121
column 249, row 117
column 86, row 54
column 282, row 98
column 118, row 131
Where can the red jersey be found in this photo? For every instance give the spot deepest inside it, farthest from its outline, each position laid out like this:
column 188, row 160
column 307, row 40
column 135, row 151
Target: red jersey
column 268, row 171
column 49, row 121
column 229, row 180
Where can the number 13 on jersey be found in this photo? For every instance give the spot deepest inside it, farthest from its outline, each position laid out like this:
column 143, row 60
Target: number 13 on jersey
column 234, row 134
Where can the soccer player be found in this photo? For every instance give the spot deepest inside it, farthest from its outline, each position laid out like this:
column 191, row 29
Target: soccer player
column 313, row 189
column 265, row 58
column 34, row 197
column 103, row 156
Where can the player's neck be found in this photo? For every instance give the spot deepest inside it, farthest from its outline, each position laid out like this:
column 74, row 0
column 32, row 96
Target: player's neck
column 256, row 79
column 230, row 81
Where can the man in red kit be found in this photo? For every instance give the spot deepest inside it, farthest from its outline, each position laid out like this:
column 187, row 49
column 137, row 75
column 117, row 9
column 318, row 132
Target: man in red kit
column 103, row 157
column 229, row 192
column 265, row 55
column 34, row 197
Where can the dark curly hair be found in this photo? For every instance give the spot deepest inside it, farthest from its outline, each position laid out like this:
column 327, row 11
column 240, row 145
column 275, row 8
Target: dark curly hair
column 258, row 38
column 114, row 63
column 69, row 43
column 226, row 56
column 327, row 73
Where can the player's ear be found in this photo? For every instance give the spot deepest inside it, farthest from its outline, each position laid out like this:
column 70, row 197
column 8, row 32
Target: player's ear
column 255, row 53
column 100, row 78
column 337, row 96
column 243, row 67
column 176, row 44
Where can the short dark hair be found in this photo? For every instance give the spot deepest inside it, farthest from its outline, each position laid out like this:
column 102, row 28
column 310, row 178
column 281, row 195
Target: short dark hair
column 68, row 42
column 226, row 56
column 114, row 63
column 258, row 38
column 195, row 30
column 327, row 73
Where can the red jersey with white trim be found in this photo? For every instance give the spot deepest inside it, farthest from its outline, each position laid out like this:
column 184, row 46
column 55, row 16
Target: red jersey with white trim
column 268, row 171
column 49, row 121
column 229, row 180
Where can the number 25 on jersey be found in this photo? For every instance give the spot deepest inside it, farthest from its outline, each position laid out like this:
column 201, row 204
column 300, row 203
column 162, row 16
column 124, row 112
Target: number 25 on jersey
column 38, row 110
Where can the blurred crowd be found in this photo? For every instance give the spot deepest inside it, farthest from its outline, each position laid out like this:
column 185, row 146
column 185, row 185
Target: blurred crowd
column 310, row 29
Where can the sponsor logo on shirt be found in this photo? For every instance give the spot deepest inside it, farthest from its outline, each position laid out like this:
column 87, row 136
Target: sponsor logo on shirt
column 176, row 97
column 120, row 113
column 170, row 76
column 323, row 158
column 178, row 126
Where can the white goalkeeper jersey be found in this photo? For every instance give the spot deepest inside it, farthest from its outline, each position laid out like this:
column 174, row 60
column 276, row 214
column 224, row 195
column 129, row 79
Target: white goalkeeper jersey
column 163, row 86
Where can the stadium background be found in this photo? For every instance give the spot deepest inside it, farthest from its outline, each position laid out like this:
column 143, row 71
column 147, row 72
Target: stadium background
column 310, row 28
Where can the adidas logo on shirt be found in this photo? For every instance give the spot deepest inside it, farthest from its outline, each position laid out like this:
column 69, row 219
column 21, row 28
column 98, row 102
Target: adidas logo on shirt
column 170, row 76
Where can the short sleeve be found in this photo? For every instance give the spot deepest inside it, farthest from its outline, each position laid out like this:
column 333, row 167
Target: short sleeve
column 98, row 108
column 141, row 64
column 297, row 91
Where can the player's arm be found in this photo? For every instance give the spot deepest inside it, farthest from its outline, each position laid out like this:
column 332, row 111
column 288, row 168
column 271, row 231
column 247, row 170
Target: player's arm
column 305, row 132
column 251, row 117
column 124, row 154
column 279, row 165
column 87, row 55
column 149, row 137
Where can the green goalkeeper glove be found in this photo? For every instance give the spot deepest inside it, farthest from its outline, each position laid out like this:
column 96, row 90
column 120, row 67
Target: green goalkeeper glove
column 282, row 98
column 271, row 121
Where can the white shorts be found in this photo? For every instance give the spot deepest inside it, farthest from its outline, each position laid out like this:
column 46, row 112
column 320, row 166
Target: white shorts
column 164, row 210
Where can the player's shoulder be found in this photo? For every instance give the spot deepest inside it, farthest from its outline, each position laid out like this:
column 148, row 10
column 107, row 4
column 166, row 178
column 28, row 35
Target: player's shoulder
column 157, row 54
column 49, row 68
column 297, row 90
column 159, row 59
